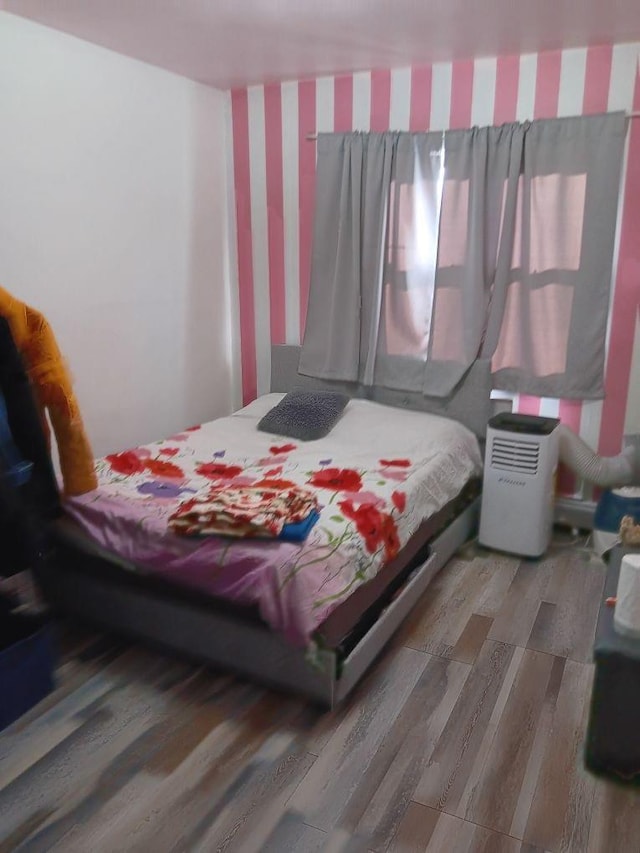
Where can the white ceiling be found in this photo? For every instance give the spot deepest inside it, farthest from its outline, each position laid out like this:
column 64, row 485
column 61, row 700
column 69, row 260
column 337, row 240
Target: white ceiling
column 228, row 43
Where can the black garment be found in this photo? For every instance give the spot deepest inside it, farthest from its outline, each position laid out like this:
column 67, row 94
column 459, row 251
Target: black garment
column 25, row 509
column 22, row 531
column 26, row 426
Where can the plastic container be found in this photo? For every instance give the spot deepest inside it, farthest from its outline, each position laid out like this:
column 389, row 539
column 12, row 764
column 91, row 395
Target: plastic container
column 26, row 664
column 615, row 504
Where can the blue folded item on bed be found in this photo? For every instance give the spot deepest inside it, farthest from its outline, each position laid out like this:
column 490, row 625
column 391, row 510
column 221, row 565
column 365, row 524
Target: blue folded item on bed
column 299, row 531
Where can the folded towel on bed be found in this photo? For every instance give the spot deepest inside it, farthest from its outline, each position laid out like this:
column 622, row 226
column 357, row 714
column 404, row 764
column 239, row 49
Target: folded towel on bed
column 297, row 531
column 248, row 512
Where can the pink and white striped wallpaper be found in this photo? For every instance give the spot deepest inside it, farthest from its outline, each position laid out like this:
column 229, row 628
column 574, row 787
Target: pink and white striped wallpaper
column 274, row 181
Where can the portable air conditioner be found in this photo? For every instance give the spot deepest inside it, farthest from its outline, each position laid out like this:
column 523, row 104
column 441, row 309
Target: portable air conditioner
column 518, row 487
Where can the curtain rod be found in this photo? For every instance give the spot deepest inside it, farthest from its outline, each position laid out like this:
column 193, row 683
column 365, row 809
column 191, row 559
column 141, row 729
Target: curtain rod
column 312, row 137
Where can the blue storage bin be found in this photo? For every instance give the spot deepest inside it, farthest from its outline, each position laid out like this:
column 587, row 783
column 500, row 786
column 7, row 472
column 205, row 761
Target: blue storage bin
column 26, row 664
column 611, row 508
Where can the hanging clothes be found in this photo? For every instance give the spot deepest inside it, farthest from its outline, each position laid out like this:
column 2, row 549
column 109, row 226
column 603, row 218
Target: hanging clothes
column 24, row 423
column 45, row 366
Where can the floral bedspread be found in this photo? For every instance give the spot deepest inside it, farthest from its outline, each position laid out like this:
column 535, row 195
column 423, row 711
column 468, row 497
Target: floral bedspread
column 378, row 475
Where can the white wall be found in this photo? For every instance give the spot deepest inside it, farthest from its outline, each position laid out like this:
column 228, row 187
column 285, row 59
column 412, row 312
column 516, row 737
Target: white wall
column 113, row 223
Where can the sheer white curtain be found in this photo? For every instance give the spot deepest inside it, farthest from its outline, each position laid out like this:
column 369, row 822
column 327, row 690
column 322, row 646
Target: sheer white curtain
column 411, row 259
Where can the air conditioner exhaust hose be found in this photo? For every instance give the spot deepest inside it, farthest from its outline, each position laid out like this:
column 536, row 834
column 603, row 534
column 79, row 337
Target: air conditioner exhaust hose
column 605, row 471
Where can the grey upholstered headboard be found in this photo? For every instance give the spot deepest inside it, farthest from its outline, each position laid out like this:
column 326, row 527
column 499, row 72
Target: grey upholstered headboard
column 470, row 403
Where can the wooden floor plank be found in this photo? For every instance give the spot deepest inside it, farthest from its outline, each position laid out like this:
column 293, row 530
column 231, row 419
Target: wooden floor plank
column 467, row 735
column 249, row 817
column 151, row 781
column 516, row 617
column 568, row 627
column 450, row 834
column 560, row 811
column 537, row 752
column 431, row 621
column 109, row 723
column 415, row 830
column 493, row 795
column 341, row 841
column 499, row 570
column 463, row 589
column 445, row 777
column 615, row 824
column 205, row 782
column 292, row 833
column 543, row 625
column 327, row 789
column 377, row 807
column 473, row 636
column 552, row 605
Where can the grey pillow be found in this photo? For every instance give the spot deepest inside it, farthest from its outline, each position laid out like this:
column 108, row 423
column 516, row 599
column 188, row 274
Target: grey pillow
column 305, row 415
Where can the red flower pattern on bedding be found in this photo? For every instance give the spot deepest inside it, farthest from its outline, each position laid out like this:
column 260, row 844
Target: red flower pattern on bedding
column 367, row 497
column 390, row 537
column 337, row 479
column 399, row 500
column 274, row 483
column 128, row 463
column 376, row 528
column 285, row 448
column 162, row 468
column 218, row 470
column 169, row 451
column 395, row 463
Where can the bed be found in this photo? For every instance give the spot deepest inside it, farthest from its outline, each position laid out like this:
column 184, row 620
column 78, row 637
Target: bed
column 398, row 490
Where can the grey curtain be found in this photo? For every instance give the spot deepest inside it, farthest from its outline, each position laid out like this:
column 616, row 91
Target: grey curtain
column 547, row 334
column 503, row 251
column 482, row 169
column 355, row 260
column 353, row 177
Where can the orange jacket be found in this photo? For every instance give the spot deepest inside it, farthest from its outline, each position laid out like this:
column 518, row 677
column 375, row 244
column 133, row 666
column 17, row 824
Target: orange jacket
column 46, row 368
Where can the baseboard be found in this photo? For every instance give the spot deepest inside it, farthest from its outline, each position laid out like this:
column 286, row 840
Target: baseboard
column 574, row 513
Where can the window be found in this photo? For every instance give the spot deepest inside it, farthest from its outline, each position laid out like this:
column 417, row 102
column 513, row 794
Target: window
column 433, row 250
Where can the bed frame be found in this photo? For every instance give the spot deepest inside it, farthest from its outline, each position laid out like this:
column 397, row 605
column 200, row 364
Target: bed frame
column 89, row 583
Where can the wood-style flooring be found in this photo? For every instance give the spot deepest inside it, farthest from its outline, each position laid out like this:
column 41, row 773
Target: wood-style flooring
column 467, row 735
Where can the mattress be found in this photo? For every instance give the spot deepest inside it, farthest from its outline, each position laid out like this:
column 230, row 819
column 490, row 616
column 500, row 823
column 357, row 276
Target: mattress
column 378, row 475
